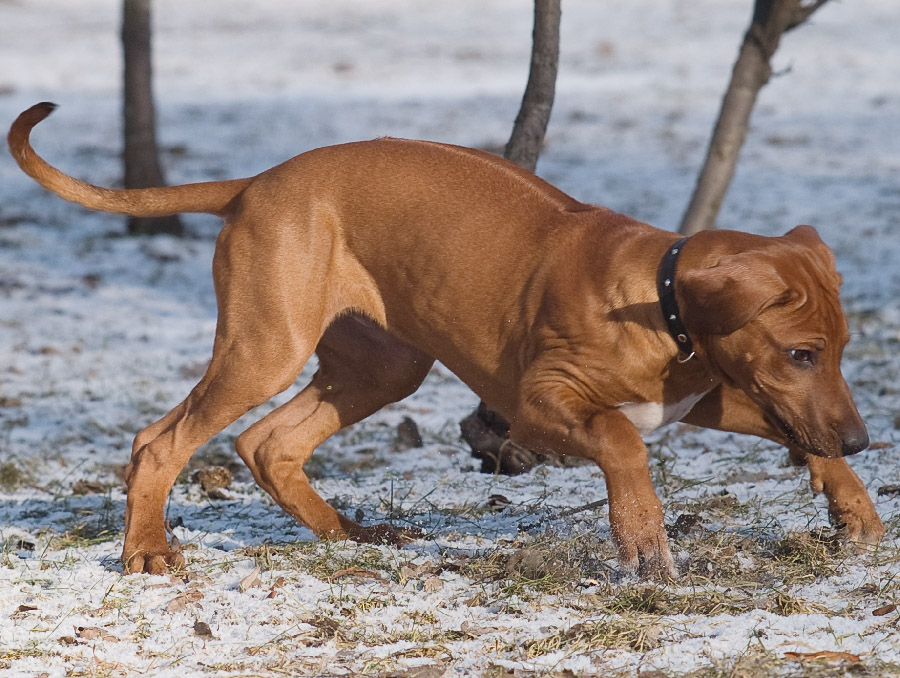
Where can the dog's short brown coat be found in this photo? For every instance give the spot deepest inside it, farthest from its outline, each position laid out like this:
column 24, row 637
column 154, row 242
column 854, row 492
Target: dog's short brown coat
column 383, row 256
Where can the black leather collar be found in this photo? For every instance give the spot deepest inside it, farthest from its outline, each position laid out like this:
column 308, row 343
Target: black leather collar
column 665, row 286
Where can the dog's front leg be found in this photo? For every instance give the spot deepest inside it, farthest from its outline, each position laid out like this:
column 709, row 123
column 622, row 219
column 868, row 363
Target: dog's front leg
column 849, row 504
column 559, row 420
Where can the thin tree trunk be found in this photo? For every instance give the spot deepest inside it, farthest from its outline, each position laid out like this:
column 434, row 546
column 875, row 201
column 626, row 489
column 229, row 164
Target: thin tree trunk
column 141, row 154
column 752, row 70
column 486, row 432
column 528, row 133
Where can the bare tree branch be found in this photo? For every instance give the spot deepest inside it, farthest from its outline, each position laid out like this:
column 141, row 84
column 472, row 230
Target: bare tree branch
column 771, row 18
column 528, row 133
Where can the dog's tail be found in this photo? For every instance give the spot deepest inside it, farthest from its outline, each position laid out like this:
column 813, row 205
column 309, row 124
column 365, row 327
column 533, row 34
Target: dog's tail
column 212, row 197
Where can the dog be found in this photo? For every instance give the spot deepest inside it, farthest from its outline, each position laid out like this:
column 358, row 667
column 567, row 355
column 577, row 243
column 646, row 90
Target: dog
column 582, row 327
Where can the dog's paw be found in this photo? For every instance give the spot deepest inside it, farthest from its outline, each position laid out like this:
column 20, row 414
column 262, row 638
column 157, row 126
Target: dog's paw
column 648, row 558
column 153, row 563
column 858, row 521
column 153, row 560
column 645, row 551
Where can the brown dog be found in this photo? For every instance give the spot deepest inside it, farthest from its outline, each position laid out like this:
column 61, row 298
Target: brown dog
column 570, row 320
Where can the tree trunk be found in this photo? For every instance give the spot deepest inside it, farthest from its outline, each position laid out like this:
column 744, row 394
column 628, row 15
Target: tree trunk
column 141, row 155
column 752, row 70
column 528, row 133
column 484, row 430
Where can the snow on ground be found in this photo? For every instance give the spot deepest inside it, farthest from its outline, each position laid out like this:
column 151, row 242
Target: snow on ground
column 100, row 334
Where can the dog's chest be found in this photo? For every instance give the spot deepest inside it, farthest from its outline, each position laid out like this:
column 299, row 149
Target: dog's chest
column 648, row 417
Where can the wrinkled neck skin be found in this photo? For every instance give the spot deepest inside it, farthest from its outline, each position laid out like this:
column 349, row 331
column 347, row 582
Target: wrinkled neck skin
column 614, row 347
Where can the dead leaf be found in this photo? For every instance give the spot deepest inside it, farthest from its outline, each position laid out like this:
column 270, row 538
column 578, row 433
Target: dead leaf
column 497, row 502
column 68, row 640
column 475, row 601
column 177, row 604
column 250, row 581
column 194, row 579
column 408, row 572
column 686, row 524
column 95, row 632
column 884, row 609
column 161, row 585
column 89, row 632
column 472, row 630
column 182, row 600
column 827, row 655
column 88, row 487
column 880, row 445
column 277, row 585
column 212, row 478
column 889, row 490
column 202, row 629
column 407, row 434
column 433, row 584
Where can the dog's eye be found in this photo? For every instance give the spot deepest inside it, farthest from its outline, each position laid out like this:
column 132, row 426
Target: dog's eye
column 803, row 356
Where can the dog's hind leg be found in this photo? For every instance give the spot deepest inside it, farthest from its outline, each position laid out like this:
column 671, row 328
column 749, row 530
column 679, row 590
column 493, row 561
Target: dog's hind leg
column 361, row 368
column 265, row 333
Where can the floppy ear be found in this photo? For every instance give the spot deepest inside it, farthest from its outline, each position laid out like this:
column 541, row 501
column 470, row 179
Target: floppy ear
column 806, row 235
column 725, row 297
column 809, row 237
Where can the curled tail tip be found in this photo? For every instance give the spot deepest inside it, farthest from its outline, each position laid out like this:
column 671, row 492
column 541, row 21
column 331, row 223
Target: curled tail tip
column 32, row 116
column 18, row 133
column 45, row 108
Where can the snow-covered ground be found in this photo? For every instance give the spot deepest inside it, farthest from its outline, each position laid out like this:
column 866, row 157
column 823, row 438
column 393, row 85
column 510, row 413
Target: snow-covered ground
column 100, row 334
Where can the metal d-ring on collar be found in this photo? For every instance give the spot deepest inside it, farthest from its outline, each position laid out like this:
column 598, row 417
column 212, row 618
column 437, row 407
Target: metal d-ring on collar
column 665, row 286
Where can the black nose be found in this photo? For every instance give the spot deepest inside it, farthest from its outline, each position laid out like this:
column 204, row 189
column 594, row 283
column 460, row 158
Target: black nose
column 855, row 441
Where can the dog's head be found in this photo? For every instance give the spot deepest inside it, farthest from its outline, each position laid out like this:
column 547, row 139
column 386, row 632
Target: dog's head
column 769, row 319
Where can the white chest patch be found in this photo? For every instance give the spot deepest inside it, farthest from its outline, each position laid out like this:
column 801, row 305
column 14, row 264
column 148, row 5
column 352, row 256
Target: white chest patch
column 648, row 417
